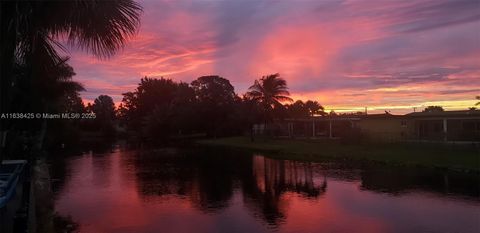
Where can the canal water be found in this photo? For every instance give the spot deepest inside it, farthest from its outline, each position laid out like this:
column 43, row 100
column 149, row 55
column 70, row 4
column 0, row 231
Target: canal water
column 218, row 190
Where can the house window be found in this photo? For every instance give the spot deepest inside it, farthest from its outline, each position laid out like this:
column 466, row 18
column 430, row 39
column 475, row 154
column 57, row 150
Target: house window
column 403, row 123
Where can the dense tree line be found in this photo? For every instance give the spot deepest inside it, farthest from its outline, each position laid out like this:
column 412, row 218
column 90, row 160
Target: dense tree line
column 160, row 108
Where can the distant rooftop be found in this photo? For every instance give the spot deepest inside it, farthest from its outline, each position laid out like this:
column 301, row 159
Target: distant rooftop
column 461, row 113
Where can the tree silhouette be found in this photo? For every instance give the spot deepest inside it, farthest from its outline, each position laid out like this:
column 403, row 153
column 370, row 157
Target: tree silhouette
column 50, row 93
column 297, row 109
column 216, row 98
column 314, row 107
column 214, row 89
column 433, row 109
column 159, row 108
column 104, row 110
column 46, row 94
column 162, row 109
column 31, row 32
column 148, row 109
column 269, row 91
column 478, row 98
column 72, row 103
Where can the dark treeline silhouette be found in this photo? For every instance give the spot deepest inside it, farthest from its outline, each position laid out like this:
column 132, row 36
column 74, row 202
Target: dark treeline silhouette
column 433, row 109
column 103, row 121
column 162, row 108
column 157, row 110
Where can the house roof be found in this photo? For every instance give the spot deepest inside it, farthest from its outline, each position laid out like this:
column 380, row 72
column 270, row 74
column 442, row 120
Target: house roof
column 443, row 114
column 346, row 117
column 379, row 116
column 462, row 113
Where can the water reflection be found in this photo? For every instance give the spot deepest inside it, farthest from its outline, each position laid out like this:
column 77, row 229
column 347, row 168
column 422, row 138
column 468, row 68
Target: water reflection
column 275, row 177
column 271, row 179
column 212, row 190
column 398, row 181
column 209, row 181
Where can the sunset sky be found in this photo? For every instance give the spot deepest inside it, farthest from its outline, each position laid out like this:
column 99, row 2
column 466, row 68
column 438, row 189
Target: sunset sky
column 385, row 54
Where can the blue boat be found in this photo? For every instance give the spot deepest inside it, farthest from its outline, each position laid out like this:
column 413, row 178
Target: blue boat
column 10, row 173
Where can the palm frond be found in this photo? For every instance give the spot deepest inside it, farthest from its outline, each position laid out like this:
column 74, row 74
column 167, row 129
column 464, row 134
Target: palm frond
column 269, row 91
column 254, row 94
column 71, row 86
column 283, row 98
column 256, row 86
column 282, row 92
column 101, row 27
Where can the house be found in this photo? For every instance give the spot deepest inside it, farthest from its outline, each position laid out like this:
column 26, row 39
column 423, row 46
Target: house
column 447, row 126
column 386, row 127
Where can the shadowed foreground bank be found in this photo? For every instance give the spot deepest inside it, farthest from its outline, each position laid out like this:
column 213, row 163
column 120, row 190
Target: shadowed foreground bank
column 454, row 157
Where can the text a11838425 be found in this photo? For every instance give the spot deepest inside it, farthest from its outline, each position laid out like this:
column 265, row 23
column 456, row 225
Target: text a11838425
column 64, row 115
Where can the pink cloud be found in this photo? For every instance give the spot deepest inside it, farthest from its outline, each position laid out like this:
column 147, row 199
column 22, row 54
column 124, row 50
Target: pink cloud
column 328, row 51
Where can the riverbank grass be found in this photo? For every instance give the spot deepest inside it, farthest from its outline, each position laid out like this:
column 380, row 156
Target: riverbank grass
column 452, row 157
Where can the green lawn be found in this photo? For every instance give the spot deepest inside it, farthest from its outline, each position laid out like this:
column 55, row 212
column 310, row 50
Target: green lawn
column 433, row 155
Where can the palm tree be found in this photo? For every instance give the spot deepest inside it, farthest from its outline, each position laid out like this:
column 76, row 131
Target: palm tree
column 314, row 108
column 32, row 32
column 269, row 91
column 478, row 98
column 59, row 84
column 101, row 27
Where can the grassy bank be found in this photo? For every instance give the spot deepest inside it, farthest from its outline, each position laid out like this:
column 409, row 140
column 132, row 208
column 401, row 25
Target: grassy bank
column 432, row 155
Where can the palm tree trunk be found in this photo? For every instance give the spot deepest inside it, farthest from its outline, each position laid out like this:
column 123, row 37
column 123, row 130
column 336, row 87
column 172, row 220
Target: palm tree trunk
column 265, row 129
